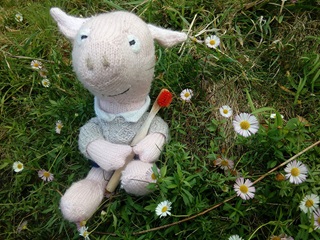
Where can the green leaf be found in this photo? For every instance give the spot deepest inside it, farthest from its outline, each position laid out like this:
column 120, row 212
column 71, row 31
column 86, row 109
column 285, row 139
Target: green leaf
column 264, row 109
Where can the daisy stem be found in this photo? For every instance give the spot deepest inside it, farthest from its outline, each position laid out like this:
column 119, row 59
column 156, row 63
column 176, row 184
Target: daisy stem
column 286, row 162
column 223, row 202
column 227, row 200
column 185, row 219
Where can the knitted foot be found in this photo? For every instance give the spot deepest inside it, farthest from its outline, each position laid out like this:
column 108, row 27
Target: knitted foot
column 83, row 198
column 136, row 177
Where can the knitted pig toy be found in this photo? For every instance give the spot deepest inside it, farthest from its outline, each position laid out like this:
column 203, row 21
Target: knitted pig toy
column 114, row 57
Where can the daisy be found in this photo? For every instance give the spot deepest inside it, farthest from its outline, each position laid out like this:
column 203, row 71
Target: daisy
column 224, row 164
column 235, row 237
column 35, row 64
column 281, row 237
column 244, row 188
column 212, row 41
column 151, row 176
column 225, row 111
column 59, row 126
column 280, row 177
column 83, row 231
column 273, row 115
column 45, row 82
column 316, row 216
column 309, row 203
column 245, row 124
column 43, row 73
column 163, row 208
column 18, row 17
column 22, row 226
column 186, row 95
column 45, row 175
column 17, row 166
column 296, row 172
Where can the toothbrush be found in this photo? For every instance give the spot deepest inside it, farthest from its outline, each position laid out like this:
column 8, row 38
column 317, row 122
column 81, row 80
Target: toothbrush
column 163, row 100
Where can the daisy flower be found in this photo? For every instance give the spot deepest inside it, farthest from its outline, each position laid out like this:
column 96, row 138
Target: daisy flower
column 212, row 41
column 224, row 164
column 163, row 208
column 18, row 17
column 309, row 203
column 59, row 126
column 186, row 95
column 296, row 172
column 245, row 124
column 244, row 188
column 22, row 226
column 281, row 237
column 273, row 115
column 316, row 216
column 83, row 231
column 45, row 82
column 17, row 166
column 35, row 64
column 150, row 176
column 45, row 175
column 43, row 73
column 280, row 177
column 225, row 111
column 235, row 237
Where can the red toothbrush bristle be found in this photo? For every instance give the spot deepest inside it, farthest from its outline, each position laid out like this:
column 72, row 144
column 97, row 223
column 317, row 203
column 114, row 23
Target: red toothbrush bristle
column 165, row 97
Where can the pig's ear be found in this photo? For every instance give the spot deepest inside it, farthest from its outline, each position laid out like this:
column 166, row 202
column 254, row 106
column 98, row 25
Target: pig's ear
column 165, row 37
column 68, row 25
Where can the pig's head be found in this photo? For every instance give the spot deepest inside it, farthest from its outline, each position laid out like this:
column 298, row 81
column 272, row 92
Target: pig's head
column 113, row 53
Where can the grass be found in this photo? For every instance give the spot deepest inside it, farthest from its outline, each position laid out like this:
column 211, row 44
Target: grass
column 268, row 59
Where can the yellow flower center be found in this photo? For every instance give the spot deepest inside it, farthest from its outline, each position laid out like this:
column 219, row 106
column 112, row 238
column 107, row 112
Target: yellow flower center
column 212, row 42
column 309, row 203
column 295, row 171
column 83, row 223
column 187, row 94
column 19, row 166
column 224, row 163
column 164, row 209
column 46, row 174
column 244, row 189
column 275, row 238
column 245, row 125
column 153, row 176
column 36, row 64
column 59, row 125
column 225, row 111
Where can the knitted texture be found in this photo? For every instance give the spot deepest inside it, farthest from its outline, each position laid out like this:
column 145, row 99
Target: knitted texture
column 136, row 177
column 82, row 199
column 113, row 57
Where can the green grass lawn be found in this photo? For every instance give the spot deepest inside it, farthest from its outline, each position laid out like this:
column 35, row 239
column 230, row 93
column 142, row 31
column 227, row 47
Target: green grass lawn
column 268, row 61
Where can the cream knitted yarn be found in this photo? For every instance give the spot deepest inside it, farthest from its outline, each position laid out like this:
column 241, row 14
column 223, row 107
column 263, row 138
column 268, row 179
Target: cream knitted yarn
column 113, row 57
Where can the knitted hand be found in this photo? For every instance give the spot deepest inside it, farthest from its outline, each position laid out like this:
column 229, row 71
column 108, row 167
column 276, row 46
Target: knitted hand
column 150, row 147
column 108, row 156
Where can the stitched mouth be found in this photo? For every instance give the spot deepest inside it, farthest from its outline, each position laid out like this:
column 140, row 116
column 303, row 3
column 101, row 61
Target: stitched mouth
column 119, row 93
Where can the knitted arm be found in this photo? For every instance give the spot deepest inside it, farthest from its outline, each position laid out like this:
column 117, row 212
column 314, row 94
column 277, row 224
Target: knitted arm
column 150, row 147
column 93, row 145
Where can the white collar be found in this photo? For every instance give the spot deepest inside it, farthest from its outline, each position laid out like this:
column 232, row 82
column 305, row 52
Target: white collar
column 132, row 116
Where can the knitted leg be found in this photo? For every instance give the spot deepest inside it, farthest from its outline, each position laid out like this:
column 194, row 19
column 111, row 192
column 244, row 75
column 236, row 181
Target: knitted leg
column 82, row 199
column 136, row 177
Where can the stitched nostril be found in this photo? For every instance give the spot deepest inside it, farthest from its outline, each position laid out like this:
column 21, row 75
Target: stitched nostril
column 89, row 64
column 105, row 62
